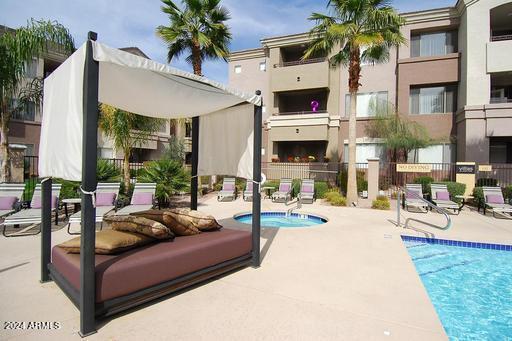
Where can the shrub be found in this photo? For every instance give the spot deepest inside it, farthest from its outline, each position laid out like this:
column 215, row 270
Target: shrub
column 295, row 187
column 486, row 182
column 454, row 188
column 331, row 194
column 107, row 171
column 425, row 182
column 321, row 188
column 170, row 177
column 381, row 203
column 362, row 184
column 339, row 201
column 69, row 189
column 478, row 195
column 507, row 192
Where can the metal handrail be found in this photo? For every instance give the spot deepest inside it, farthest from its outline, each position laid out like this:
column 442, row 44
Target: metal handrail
column 429, row 204
column 301, row 62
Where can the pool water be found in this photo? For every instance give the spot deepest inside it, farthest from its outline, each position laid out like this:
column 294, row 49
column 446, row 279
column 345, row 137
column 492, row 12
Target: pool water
column 470, row 288
column 281, row 220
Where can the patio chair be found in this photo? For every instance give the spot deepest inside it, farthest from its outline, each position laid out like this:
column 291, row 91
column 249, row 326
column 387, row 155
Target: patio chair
column 441, row 198
column 32, row 215
column 10, row 198
column 413, row 198
column 228, row 190
column 247, row 195
column 493, row 198
column 143, row 199
column 307, row 191
column 285, row 191
column 105, row 199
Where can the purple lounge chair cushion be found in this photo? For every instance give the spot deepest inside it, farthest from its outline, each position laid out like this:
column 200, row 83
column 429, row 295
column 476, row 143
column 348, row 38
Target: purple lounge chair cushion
column 495, row 199
column 413, row 194
column 105, row 199
column 143, row 198
column 36, row 202
column 249, row 186
column 308, row 188
column 7, row 203
column 228, row 187
column 443, row 196
column 284, row 188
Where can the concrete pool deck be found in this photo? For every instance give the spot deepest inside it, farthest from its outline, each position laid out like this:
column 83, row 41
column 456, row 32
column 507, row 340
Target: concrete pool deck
column 349, row 279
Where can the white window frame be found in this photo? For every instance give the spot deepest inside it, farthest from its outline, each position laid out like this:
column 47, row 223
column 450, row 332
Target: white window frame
column 237, row 69
column 263, row 66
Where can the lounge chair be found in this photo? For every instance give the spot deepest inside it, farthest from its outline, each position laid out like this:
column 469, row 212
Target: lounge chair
column 10, row 198
column 307, row 191
column 143, row 198
column 493, row 198
column 32, row 215
column 248, row 191
column 106, row 195
column 441, row 198
column 414, row 196
column 228, row 190
column 285, row 191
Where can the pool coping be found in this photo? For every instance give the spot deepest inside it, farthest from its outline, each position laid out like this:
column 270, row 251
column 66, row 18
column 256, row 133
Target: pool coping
column 460, row 243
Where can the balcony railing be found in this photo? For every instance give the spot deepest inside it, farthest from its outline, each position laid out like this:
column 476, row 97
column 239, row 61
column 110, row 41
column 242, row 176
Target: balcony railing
column 300, row 112
column 495, row 100
column 301, row 62
column 501, row 37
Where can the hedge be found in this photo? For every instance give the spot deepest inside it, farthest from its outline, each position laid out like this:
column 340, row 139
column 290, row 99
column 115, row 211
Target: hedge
column 454, row 188
column 381, row 203
column 425, row 182
column 362, row 184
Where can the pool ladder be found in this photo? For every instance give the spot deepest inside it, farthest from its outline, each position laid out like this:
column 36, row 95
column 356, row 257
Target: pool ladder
column 428, row 203
column 290, row 210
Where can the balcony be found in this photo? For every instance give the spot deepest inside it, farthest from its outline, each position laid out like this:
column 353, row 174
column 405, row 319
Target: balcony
column 298, row 74
column 499, row 48
column 299, row 127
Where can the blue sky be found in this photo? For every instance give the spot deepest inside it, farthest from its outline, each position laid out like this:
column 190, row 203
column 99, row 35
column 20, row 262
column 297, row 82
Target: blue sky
column 124, row 23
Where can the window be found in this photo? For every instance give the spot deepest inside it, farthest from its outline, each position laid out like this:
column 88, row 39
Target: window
column 26, row 113
column 365, row 151
column 433, row 44
column 368, row 104
column 31, row 68
column 188, row 129
column 439, row 153
column 433, row 100
column 29, row 149
column 105, row 153
column 500, row 150
column 263, row 66
column 238, row 69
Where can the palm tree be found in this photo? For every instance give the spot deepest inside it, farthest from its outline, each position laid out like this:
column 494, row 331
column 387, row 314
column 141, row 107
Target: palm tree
column 356, row 31
column 198, row 29
column 17, row 49
column 127, row 131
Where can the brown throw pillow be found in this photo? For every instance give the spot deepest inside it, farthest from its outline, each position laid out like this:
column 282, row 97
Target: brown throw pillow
column 200, row 220
column 173, row 221
column 145, row 226
column 109, row 242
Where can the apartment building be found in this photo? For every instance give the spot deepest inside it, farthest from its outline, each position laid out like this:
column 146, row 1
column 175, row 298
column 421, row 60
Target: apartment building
column 453, row 77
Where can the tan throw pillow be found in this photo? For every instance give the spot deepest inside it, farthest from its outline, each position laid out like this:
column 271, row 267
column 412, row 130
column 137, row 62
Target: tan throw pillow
column 109, row 242
column 145, row 226
column 200, row 220
column 178, row 226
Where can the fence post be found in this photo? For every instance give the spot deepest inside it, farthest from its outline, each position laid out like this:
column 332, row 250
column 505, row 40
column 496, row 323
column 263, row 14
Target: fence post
column 373, row 178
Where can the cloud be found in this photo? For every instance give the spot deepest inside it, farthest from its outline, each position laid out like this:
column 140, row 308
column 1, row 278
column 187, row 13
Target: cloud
column 124, row 23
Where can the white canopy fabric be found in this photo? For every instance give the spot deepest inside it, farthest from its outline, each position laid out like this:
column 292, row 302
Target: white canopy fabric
column 148, row 88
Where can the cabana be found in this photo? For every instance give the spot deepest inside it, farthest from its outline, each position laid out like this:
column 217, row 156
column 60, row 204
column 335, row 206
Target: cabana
column 97, row 73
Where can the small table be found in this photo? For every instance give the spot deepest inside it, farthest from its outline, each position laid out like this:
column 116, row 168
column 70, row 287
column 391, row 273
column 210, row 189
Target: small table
column 268, row 191
column 464, row 198
column 75, row 201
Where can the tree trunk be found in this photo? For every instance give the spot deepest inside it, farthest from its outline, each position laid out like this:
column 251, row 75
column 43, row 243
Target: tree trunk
column 354, row 71
column 126, row 171
column 5, row 173
column 196, row 59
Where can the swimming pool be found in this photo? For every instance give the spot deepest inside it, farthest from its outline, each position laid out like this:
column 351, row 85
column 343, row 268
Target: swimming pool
column 469, row 284
column 282, row 220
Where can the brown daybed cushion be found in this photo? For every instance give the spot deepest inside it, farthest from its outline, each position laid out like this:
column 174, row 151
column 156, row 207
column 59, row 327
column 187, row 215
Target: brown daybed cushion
column 118, row 275
column 109, row 242
column 183, row 222
column 140, row 225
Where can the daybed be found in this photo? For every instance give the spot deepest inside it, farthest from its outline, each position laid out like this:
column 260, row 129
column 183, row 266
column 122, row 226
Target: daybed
column 161, row 268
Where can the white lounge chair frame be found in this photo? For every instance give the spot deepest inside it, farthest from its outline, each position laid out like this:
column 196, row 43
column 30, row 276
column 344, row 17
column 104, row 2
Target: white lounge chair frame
column 307, row 197
column 11, row 190
column 227, row 194
column 31, row 216
column 496, row 208
column 102, row 187
column 139, row 188
column 415, row 202
column 247, row 195
column 283, row 195
column 448, row 204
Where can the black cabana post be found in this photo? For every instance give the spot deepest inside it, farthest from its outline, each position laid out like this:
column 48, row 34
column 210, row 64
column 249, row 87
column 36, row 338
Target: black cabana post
column 256, row 175
column 46, row 228
column 195, row 161
column 89, row 161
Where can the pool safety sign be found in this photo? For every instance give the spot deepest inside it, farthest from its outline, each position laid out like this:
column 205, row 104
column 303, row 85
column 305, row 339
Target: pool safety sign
column 465, row 173
column 413, row 168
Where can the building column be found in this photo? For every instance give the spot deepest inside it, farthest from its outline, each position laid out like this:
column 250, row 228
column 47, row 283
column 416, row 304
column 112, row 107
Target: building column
column 373, row 178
